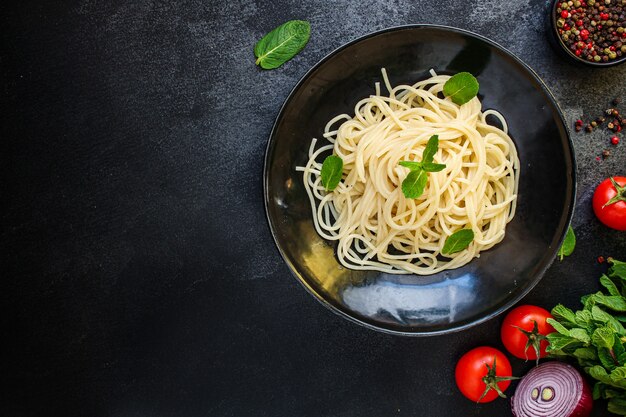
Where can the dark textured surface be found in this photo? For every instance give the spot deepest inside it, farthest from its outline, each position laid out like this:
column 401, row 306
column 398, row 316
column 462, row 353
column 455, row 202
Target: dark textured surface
column 138, row 273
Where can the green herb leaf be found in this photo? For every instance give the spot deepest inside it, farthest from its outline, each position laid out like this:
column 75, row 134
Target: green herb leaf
column 562, row 313
column 332, row 169
column 568, row 245
column 618, row 374
column 414, row 184
column 458, row 241
column 614, row 302
column 461, row 88
column 618, row 269
column 432, row 167
column 431, row 149
column 603, row 337
column 412, row 165
column 580, row 334
column 606, row 359
column 617, row 406
column 559, row 342
column 609, row 285
column 598, row 390
column 282, row 44
column 558, row 326
column 587, row 353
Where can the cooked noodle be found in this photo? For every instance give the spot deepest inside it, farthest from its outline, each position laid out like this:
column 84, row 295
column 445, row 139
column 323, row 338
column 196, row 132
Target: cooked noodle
column 376, row 227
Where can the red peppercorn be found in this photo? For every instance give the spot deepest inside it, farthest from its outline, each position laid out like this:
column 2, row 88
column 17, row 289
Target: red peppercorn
column 619, row 128
column 614, row 140
column 589, row 45
column 601, row 259
column 564, row 14
column 566, row 27
column 611, row 48
column 578, row 52
column 579, row 23
column 624, row 34
column 584, row 34
column 579, row 122
column 604, row 16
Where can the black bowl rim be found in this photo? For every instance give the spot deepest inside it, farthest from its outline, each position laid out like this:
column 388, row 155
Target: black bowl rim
column 557, row 38
column 505, row 306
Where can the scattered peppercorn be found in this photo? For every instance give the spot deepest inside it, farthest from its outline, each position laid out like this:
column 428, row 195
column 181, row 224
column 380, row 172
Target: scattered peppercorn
column 614, row 140
column 606, row 154
column 589, row 128
column 610, row 125
column 601, row 259
column 594, row 123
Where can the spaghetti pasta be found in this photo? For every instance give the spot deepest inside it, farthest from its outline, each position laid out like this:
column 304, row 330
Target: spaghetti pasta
column 376, row 226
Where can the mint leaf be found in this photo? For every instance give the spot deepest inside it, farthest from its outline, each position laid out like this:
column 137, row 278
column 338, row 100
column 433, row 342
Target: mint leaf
column 461, row 88
column 558, row 326
column 614, row 302
column 432, row 167
column 568, row 245
column 414, row 184
column 618, row 269
column 412, row 165
column 332, row 169
column 587, row 353
column 606, row 359
column 562, row 313
column 559, row 342
column 431, row 149
column 282, row 44
column 457, row 241
column 609, row 285
column 617, row 406
column 580, row 334
column 603, row 337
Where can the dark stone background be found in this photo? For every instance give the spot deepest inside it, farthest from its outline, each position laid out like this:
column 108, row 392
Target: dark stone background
column 138, row 275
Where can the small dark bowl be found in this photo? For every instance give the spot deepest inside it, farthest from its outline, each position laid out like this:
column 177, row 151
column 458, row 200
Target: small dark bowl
column 456, row 299
column 556, row 42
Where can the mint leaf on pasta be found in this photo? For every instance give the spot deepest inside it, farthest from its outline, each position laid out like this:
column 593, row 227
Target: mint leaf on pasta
column 432, row 167
column 411, row 165
column 431, row 149
column 461, row 88
column 332, row 169
column 414, row 184
column 458, row 241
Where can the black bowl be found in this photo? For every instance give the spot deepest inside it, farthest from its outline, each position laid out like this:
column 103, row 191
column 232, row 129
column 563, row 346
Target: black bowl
column 565, row 52
column 456, row 299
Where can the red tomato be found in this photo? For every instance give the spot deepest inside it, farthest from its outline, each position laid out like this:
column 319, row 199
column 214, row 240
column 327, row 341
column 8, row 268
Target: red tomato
column 609, row 202
column 524, row 330
column 476, row 377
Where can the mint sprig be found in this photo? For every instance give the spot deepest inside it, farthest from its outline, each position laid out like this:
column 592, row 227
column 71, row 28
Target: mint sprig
column 415, row 182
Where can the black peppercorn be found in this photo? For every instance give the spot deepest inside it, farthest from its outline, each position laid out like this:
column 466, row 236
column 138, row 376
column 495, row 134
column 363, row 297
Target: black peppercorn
column 606, row 154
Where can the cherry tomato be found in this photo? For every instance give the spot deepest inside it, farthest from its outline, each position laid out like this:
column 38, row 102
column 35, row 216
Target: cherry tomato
column 482, row 374
column 524, row 332
column 609, row 202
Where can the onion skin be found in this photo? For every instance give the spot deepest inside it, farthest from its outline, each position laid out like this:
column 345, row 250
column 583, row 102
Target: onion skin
column 566, row 391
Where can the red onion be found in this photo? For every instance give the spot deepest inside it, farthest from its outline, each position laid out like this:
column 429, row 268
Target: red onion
column 552, row 389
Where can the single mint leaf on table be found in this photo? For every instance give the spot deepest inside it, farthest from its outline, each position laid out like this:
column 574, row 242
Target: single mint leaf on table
column 414, row 183
column 617, row 269
column 461, row 88
column 458, row 241
column 282, row 44
column 332, row 169
column 568, row 245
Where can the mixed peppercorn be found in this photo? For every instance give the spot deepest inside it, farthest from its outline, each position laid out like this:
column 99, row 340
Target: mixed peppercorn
column 593, row 30
column 616, row 122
